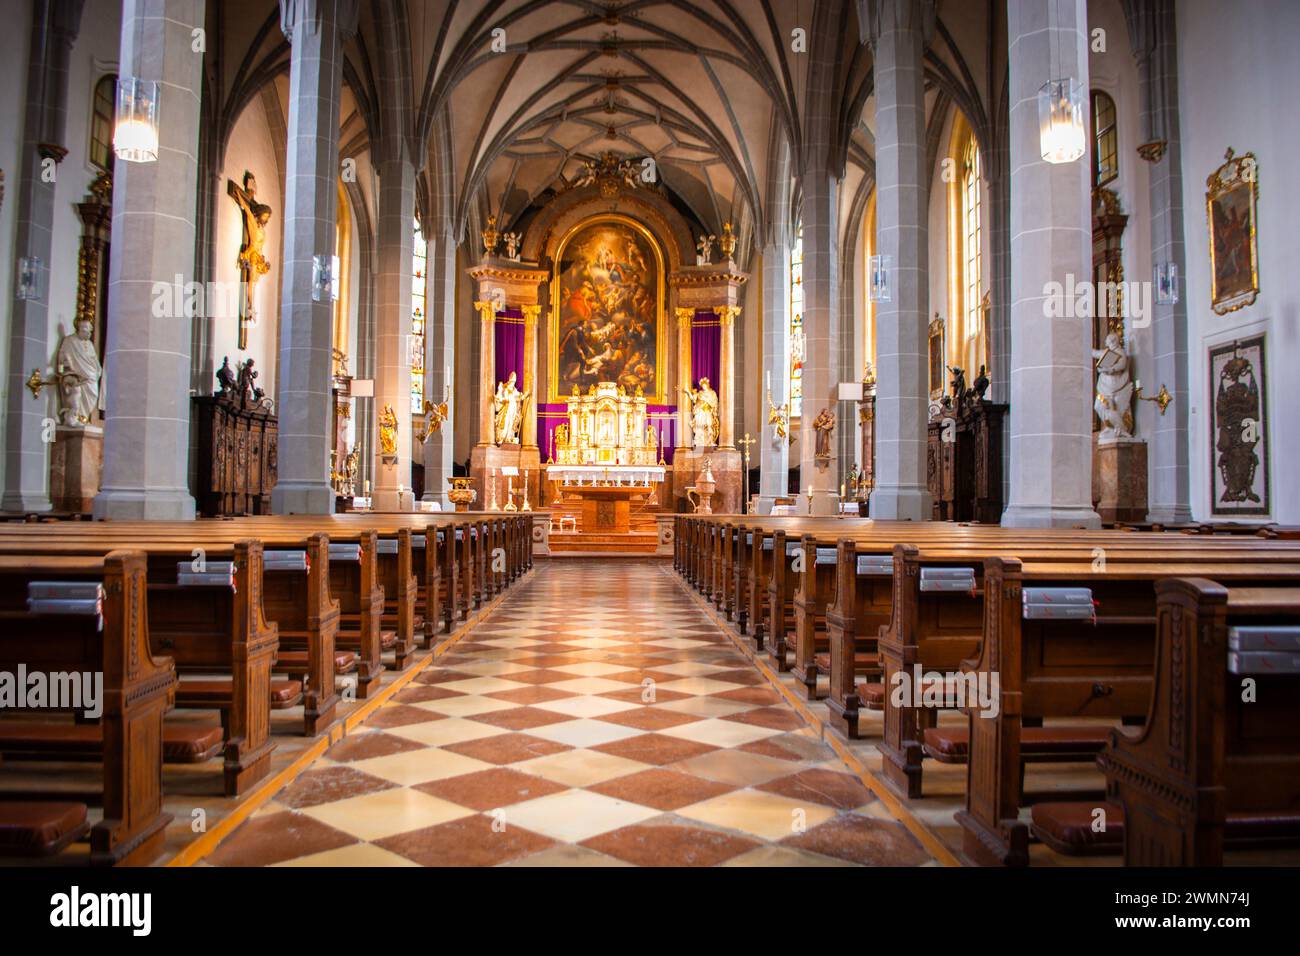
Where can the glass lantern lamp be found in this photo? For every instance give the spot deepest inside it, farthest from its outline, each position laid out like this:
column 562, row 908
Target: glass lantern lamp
column 1166, row 283
column 878, row 284
column 31, row 275
column 1062, row 136
column 135, row 138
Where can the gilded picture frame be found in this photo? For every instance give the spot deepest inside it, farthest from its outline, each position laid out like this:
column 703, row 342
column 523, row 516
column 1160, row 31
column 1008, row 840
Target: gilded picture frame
column 1231, row 195
column 562, row 322
column 937, row 363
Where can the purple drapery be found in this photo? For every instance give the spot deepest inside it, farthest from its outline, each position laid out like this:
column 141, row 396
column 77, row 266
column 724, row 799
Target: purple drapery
column 706, row 349
column 509, row 344
column 663, row 418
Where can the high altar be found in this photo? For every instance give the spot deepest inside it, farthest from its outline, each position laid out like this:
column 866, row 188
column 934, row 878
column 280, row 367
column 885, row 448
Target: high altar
column 606, row 427
column 599, row 329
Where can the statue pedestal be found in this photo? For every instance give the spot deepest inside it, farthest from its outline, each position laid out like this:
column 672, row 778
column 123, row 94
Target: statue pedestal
column 1119, row 480
column 76, row 462
column 490, row 460
column 728, row 475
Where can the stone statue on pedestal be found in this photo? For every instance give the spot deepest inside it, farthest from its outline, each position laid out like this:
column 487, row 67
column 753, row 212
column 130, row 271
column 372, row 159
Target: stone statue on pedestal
column 508, row 411
column 78, row 373
column 1114, row 404
column 704, row 415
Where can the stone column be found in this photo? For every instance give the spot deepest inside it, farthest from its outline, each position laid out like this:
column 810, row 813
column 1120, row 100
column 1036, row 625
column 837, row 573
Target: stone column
column 54, row 28
column 439, row 360
column 727, row 387
column 316, row 30
column 487, row 317
column 1154, row 34
column 774, row 452
column 147, row 358
column 684, row 435
column 395, row 239
column 529, row 426
column 899, row 29
column 1051, row 242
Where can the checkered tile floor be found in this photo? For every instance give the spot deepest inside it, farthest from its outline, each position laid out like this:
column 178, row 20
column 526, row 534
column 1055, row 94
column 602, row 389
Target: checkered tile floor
column 596, row 718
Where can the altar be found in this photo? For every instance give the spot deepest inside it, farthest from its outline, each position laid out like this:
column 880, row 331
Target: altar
column 606, row 494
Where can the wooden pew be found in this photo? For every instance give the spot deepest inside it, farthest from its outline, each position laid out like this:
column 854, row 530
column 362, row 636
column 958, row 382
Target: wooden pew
column 137, row 690
column 855, row 617
column 1045, row 663
column 1210, row 767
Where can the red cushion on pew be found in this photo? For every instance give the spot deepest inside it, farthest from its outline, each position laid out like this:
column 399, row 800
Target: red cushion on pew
column 183, row 742
column 873, row 695
column 952, row 744
column 296, row 661
column 40, row 828
column 216, row 692
column 1067, row 828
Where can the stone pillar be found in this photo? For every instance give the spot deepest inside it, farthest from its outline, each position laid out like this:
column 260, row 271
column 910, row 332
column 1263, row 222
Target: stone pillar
column 439, row 360
column 684, row 319
column 902, row 191
column 528, row 438
column 774, row 452
column 316, row 30
column 54, row 28
column 487, row 317
column 1051, row 376
column 1154, row 35
column 727, row 387
column 147, row 358
column 395, row 228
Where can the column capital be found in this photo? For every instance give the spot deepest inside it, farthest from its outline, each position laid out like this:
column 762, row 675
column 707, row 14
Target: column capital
column 727, row 314
column 685, row 317
column 531, row 312
column 487, row 310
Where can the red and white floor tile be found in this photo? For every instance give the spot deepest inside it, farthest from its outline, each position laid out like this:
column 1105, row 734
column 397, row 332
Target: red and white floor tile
column 596, row 718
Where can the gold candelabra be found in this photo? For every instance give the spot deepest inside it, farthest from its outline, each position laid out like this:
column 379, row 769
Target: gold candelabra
column 1162, row 398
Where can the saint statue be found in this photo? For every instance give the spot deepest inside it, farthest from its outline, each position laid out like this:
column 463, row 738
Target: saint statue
column 512, row 240
column 705, row 246
column 1114, row 404
column 824, row 424
column 508, row 411
column 704, row 415
column 79, row 372
column 252, row 263
column 388, row 432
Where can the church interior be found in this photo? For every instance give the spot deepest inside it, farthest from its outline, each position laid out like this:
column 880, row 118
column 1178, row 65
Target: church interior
column 567, row 433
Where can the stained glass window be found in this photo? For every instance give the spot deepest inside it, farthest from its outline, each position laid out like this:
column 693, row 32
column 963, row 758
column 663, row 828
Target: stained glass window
column 796, row 325
column 419, row 272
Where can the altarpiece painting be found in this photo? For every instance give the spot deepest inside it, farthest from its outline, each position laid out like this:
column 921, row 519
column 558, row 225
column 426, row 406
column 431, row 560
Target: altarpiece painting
column 607, row 314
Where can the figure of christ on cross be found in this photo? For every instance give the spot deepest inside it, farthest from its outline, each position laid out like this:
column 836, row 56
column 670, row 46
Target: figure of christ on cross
column 252, row 263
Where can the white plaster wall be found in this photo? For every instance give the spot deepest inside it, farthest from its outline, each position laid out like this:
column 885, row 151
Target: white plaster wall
column 250, row 148
column 14, row 47
column 1238, row 78
column 93, row 55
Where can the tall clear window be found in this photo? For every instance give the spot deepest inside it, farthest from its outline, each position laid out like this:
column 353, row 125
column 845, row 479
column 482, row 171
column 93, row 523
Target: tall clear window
column 796, row 325
column 419, row 272
column 971, row 242
column 1105, row 139
column 102, row 118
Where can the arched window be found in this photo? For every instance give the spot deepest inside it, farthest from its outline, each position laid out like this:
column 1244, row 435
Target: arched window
column 796, row 324
column 1105, row 140
column 972, row 263
column 102, row 118
column 419, row 272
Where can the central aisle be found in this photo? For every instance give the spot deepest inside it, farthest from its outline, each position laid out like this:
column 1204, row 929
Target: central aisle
column 597, row 717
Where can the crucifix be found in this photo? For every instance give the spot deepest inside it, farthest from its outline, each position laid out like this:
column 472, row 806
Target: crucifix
column 744, row 443
column 252, row 263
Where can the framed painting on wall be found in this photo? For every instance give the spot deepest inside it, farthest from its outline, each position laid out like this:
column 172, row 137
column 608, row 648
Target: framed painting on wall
column 607, row 309
column 1230, row 195
column 1238, row 429
column 937, row 364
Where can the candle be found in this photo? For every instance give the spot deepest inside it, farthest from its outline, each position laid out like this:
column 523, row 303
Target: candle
column 367, row 487
column 767, row 380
